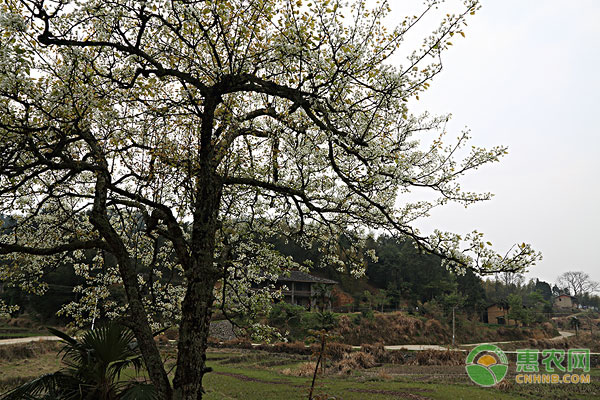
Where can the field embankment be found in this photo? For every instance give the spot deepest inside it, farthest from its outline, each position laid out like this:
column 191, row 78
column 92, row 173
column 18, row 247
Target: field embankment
column 400, row 328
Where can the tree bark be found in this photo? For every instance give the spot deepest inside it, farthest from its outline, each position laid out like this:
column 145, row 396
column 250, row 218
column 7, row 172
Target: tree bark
column 139, row 318
column 196, row 310
column 201, row 274
column 193, row 335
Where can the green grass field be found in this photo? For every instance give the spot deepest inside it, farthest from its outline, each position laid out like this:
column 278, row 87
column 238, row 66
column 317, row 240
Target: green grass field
column 13, row 332
column 257, row 375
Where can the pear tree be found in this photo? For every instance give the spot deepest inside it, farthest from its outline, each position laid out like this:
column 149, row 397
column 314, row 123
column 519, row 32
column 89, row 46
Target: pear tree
column 155, row 145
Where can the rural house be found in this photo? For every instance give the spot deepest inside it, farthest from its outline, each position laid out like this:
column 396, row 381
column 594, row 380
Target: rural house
column 498, row 314
column 301, row 288
column 565, row 302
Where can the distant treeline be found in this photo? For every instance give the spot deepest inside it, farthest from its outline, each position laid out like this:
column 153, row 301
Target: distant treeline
column 409, row 278
column 400, row 278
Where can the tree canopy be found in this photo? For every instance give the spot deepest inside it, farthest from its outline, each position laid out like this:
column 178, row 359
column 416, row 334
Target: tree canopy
column 168, row 136
column 577, row 283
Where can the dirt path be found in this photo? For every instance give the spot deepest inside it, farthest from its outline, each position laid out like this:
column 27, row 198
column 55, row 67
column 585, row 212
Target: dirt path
column 422, row 347
column 411, row 347
column 562, row 334
column 28, row 340
column 418, row 347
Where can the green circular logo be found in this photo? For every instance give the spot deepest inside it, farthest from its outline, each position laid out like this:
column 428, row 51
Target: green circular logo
column 487, row 365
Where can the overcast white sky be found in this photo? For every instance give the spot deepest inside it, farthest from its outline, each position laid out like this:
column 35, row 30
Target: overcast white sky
column 527, row 76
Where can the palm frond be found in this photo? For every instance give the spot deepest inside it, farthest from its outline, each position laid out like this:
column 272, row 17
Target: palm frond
column 63, row 336
column 93, row 368
column 48, row 386
column 117, row 367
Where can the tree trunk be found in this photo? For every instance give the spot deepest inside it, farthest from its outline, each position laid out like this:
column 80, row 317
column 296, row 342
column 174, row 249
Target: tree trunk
column 193, row 335
column 201, row 277
column 138, row 322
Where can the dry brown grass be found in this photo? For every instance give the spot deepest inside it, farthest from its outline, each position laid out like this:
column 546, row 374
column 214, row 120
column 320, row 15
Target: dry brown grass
column 504, row 385
column 289, row 348
column 354, row 362
column 382, row 355
column 389, row 328
column 435, row 327
column 549, row 329
column 383, row 375
column 20, row 363
column 336, row 351
column 304, row 369
column 584, row 340
column 400, row 328
column 376, row 350
column 28, row 350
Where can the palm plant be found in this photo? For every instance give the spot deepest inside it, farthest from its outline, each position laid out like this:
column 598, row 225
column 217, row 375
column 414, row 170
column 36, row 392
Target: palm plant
column 322, row 295
column 575, row 324
column 93, row 366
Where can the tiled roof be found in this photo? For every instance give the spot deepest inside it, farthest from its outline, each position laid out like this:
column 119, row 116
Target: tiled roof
column 566, row 295
column 299, row 276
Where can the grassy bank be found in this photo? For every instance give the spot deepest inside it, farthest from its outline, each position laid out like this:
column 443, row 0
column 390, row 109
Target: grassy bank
column 397, row 327
column 400, row 328
column 258, row 375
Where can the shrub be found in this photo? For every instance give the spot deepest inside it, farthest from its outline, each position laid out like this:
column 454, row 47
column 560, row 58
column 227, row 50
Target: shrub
column 367, row 314
column 315, row 321
column 327, row 320
column 286, row 316
column 433, row 309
